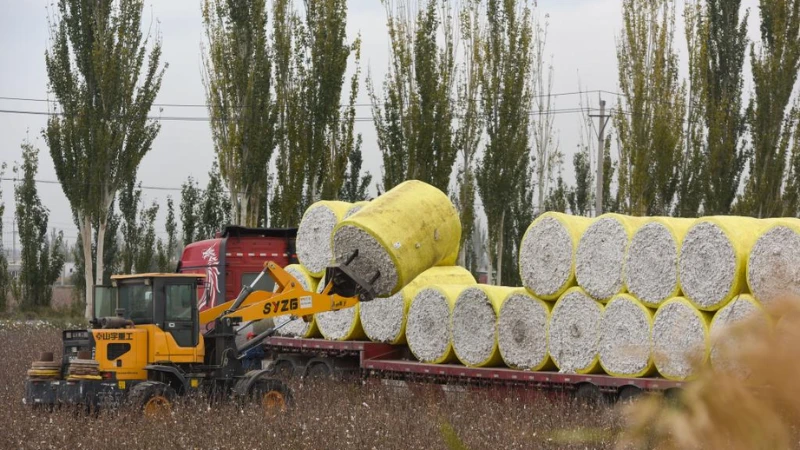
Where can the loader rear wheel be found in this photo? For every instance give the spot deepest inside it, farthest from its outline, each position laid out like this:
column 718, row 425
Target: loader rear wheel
column 273, row 396
column 153, row 399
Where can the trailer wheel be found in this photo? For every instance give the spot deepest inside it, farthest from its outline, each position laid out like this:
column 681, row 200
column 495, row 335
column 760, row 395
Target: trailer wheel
column 319, row 371
column 154, row 399
column 589, row 394
column 271, row 395
column 628, row 393
column 284, row 369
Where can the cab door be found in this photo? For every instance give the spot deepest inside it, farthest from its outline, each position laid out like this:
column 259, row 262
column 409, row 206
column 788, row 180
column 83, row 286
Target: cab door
column 181, row 321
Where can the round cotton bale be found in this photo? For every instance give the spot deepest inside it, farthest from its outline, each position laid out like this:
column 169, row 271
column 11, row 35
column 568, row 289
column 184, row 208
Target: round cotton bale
column 713, row 259
column 314, row 235
column 429, row 328
column 475, row 316
column 402, row 233
column 547, row 253
column 356, row 207
column 626, row 338
column 680, row 339
column 298, row 327
column 340, row 325
column 384, row 319
column 522, row 331
column 773, row 267
column 600, row 258
column 724, row 342
column 574, row 332
column 651, row 264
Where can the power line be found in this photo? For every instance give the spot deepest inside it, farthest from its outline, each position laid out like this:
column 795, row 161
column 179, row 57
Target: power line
column 151, row 188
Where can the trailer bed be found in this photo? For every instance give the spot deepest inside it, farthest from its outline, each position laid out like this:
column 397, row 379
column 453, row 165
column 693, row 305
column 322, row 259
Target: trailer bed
column 395, row 362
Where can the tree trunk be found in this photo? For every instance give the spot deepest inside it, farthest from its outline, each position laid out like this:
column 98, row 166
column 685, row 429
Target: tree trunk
column 101, row 237
column 489, row 270
column 86, row 240
column 500, row 239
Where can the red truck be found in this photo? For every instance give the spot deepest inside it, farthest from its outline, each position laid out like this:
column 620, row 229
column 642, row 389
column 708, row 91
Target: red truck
column 236, row 256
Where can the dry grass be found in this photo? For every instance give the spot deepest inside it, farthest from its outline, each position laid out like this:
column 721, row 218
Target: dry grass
column 326, row 416
column 756, row 406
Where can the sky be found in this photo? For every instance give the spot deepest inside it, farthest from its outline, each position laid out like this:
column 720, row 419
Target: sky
column 581, row 43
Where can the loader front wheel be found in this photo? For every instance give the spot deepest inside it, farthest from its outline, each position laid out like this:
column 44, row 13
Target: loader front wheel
column 273, row 396
column 153, row 399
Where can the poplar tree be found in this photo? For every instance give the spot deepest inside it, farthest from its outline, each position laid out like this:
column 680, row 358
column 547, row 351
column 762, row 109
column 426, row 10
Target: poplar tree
column 649, row 120
column 41, row 257
column 725, row 41
column 506, row 91
column 414, row 113
column 191, row 196
column 237, row 75
column 775, row 64
column 4, row 276
column 104, row 82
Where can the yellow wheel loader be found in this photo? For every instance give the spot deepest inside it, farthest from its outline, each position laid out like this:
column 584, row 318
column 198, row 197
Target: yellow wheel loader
column 149, row 344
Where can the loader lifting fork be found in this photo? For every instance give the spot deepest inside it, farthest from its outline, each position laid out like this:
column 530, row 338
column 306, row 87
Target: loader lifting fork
column 157, row 345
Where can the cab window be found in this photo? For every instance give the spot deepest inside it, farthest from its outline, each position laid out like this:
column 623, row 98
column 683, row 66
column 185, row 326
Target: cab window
column 264, row 284
column 179, row 302
column 137, row 300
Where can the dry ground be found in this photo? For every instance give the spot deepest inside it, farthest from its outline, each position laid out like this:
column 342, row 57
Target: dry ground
column 327, row 415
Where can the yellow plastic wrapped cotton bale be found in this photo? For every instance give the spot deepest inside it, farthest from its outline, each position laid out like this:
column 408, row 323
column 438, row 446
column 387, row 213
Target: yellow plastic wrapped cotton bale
column 773, row 265
column 681, row 342
column 724, row 342
column 651, row 263
column 626, row 338
column 298, row 327
column 547, row 253
column 314, row 235
column 400, row 234
column 600, row 257
column 474, row 325
column 713, row 259
column 429, row 327
column 340, row 325
column 384, row 319
column 574, row 332
column 356, row 207
column 522, row 331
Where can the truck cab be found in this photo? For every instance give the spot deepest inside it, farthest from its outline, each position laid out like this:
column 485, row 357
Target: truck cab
column 234, row 258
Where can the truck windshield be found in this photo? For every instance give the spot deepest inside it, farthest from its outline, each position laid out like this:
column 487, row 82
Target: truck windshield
column 137, row 300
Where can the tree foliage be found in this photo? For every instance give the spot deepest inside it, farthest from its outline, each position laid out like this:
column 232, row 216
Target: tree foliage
column 104, row 82
column 165, row 250
column 191, row 195
column 355, row 184
column 649, row 121
column 213, row 212
column 237, row 75
column 506, row 90
column 414, row 113
column 41, row 256
column 775, row 64
column 5, row 279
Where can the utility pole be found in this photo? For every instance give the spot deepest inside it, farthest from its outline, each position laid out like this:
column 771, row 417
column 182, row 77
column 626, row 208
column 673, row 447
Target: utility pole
column 598, row 205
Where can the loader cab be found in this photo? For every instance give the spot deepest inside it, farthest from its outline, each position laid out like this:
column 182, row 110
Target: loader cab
column 163, row 304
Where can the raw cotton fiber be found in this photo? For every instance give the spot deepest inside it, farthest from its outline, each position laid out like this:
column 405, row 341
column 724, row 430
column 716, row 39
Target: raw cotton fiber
column 626, row 338
column 681, row 341
column 651, row 264
column 724, row 341
column 522, row 331
column 475, row 316
column 384, row 319
column 713, row 259
column 355, row 208
column 340, row 325
column 575, row 332
column 773, row 266
column 429, row 328
column 547, row 253
column 297, row 326
column 402, row 233
column 314, row 243
column 600, row 258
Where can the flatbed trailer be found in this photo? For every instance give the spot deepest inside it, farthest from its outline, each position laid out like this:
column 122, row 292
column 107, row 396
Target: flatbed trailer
column 294, row 357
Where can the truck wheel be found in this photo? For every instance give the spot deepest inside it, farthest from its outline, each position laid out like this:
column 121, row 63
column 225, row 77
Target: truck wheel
column 152, row 398
column 271, row 395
